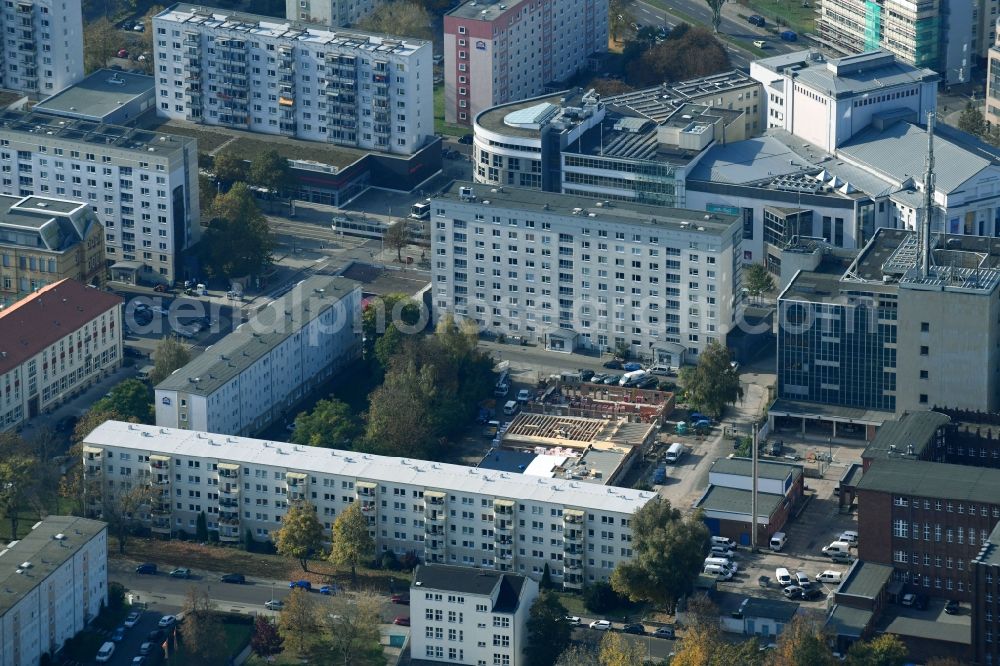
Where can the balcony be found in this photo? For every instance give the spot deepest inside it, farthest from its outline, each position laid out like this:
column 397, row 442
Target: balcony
column 435, row 545
column 573, row 537
column 230, row 490
column 229, row 534
column 160, row 507
column 504, row 555
column 503, row 507
column 573, row 582
column 434, row 531
column 228, row 503
column 503, row 526
column 229, row 471
column 367, row 489
column 573, row 517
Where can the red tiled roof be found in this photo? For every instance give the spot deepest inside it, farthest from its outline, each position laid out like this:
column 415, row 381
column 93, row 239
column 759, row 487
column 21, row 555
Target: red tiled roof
column 51, row 313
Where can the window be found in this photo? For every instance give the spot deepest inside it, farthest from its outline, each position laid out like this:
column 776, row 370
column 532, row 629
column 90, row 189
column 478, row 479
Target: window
column 925, row 327
column 924, row 350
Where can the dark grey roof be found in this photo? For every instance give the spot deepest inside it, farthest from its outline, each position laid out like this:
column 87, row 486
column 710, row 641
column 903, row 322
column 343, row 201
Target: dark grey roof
column 898, row 152
column 505, row 587
column 932, row 479
column 865, row 580
column 773, row 609
column 278, row 321
column 917, row 429
column 734, row 500
column 947, row 631
column 849, row 621
column 766, row 469
column 835, row 412
column 99, row 94
column 44, row 552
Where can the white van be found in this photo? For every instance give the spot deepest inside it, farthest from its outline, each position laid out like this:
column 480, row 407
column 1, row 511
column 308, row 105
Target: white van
column 105, row 653
column 778, row 541
column 145, row 372
column 782, row 576
column 829, row 577
column 841, row 547
column 720, row 573
column 632, row 377
column 723, row 541
column 722, row 562
column 510, row 408
column 721, row 551
column 674, row 453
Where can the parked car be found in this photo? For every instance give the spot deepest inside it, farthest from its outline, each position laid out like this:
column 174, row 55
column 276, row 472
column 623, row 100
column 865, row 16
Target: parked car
column 782, row 576
column 908, row 599
column 122, row 53
column 274, row 604
column 401, row 620
column 952, row 607
column 118, row 635
column 523, row 395
column 662, row 370
column 147, row 568
column 104, row 654
column 757, row 20
column 132, row 619
column 400, row 599
column 850, row 536
column 613, row 364
column 665, row 632
column 789, row 36
column 139, row 661
column 760, row 43
column 167, row 621
column 180, row 572
column 810, row 593
column 326, row 589
column 235, row 578
column 585, row 375
column 302, row 584
column 612, row 380
column 573, row 620
column 829, row 577
column 598, row 378
column 792, row 591
column 647, row 383
column 145, row 648
column 600, row 625
column 634, row 628
column 631, row 366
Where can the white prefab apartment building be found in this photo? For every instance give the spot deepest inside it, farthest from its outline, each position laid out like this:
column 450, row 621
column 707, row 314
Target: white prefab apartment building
column 53, row 344
column 294, row 79
column 42, row 50
column 247, row 380
column 446, row 514
column 464, row 616
column 571, row 272
column 143, row 186
column 54, row 582
column 329, row 12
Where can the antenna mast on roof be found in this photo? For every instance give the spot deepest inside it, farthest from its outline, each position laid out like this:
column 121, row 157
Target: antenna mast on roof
column 924, row 230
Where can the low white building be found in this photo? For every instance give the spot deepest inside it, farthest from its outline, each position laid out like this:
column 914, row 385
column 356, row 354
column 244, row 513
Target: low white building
column 53, row 344
column 468, row 616
column 54, row 581
column 443, row 513
column 294, row 79
column 571, row 272
column 247, row 380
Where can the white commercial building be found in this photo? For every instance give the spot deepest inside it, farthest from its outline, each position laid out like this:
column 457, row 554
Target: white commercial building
column 247, row 380
column 53, row 344
column 464, row 616
column 294, row 79
column 496, row 53
column 570, row 272
column 142, row 185
column 54, row 582
column 329, row 12
column 828, row 101
column 446, row 514
column 42, row 50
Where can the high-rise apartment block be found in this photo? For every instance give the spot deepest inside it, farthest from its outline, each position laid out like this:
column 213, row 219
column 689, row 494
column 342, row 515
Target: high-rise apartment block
column 142, row 185
column 329, row 12
column 496, row 53
column 937, row 34
column 42, row 50
column 992, row 111
column 446, row 514
column 294, row 79
column 570, row 272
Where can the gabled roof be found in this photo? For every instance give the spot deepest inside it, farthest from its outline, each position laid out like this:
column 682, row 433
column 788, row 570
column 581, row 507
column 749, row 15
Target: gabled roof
column 917, row 429
column 504, row 587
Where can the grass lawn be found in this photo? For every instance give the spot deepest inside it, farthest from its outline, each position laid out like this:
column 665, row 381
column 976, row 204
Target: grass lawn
column 236, row 636
column 222, row 559
column 789, row 12
column 440, row 126
column 207, row 139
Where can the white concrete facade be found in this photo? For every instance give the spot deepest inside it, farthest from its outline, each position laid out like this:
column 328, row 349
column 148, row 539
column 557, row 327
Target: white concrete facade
column 249, row 378
column 294, row 79
column 59, row 594
column 143, row 186
column 473, row 622
column 496, row 53
column 528, row 263
column 448, row 514
column 42, row 50
column 329, row 12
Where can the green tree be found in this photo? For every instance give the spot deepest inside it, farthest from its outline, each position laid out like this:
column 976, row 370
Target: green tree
column 716, row 7
column 399, row 418
column 616, row 651
column 17, row 486
column 169, row 355
column 201, row 630
column 271, row 170
column 703, row 645
column 229, row 168
column 266, row 642
column 668, row 552
column 802, row 643
column 548, row 632
column 297, row 622
column 712, row 384
column 121, row 509
column 758, row 280
column 131, row 399
column 546, row 582
column 600, row 598
column 102, row 43
column 238, row 241
column 352, row 542
column 579, row 655
column 695, row 53
column 883, row 650
column 397, row 237
column 330, row 424
column 399, row 17
column 201, row 528
column 352, row 628
column 379, row 316
column 972, row 120
column 301, row 533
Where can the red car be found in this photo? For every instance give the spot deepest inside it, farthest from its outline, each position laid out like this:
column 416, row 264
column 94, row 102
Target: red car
column 402, row 621
column 400, row 599
column 122, row 53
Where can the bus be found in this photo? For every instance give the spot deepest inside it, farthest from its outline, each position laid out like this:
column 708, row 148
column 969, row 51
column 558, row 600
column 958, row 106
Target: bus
column 365, row 228
column 421, row 210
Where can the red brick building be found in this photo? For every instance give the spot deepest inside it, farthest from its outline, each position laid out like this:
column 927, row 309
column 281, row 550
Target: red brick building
column 986, row 602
